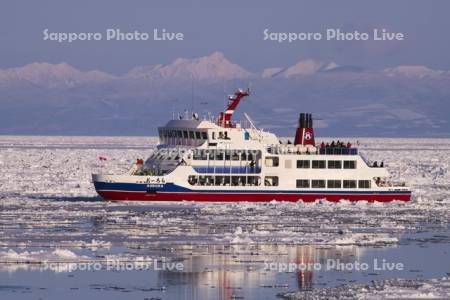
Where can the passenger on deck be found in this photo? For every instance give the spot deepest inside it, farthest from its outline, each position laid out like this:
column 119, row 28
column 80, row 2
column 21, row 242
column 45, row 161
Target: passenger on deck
column 349, row 145
column 382, row 164
column 332, row 144
column 378, row 181
column 375, row 165
column 322, row 145
column 327, row 145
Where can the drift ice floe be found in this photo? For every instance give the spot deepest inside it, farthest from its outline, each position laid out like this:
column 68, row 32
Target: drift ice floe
column 219, row 160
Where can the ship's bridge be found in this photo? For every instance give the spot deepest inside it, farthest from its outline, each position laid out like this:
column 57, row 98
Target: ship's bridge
column 195, row 133
column 211, row 133
column 185, row 132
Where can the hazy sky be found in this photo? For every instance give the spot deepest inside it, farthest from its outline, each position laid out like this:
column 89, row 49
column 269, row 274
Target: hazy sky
column 232, row 27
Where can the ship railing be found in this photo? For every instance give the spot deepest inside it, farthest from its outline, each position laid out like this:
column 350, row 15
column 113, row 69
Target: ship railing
column 305, row 150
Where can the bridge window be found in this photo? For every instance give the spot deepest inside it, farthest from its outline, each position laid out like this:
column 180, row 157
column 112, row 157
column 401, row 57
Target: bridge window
column 271, row 181
column 191, row 135
column 197, row 135
column 179, row 133
column 317, row 183
column 318, row 164
column 204, row 135
column 334, row 164
column 302, row 183
column 213, row 135
column 303, row 164
column 349, row 164
column 349, row 184
column 185, row 134
column 334, row 184
column 364, row 184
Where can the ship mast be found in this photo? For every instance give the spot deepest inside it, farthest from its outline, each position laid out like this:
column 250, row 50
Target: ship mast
column 225, row 116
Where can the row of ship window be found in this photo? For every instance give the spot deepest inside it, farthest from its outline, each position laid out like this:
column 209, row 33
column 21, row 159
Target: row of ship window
column 330, row 164
column 225, row 180
column 333, row 183
column 315, row 164
column 197, row 135
column 235, row 155
column 273, row 181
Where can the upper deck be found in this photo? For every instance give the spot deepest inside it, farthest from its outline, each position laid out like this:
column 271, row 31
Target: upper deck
column 196, row 133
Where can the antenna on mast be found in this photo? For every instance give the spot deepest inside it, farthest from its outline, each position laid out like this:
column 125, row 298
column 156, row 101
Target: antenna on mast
column 192, row 93
column 225, row 95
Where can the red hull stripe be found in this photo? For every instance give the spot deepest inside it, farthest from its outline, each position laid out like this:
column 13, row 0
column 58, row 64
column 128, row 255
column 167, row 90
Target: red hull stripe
column 249, row 197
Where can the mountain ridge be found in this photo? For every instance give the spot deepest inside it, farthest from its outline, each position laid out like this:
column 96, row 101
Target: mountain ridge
column 212, row 67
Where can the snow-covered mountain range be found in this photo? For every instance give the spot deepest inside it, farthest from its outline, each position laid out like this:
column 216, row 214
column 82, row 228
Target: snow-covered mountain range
column 50, row 75
column 213, row 67
column 43, row 98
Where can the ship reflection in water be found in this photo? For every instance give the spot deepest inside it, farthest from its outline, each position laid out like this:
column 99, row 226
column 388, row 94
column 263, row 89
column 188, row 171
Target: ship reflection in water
column 208, row 272
column 225, row 272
